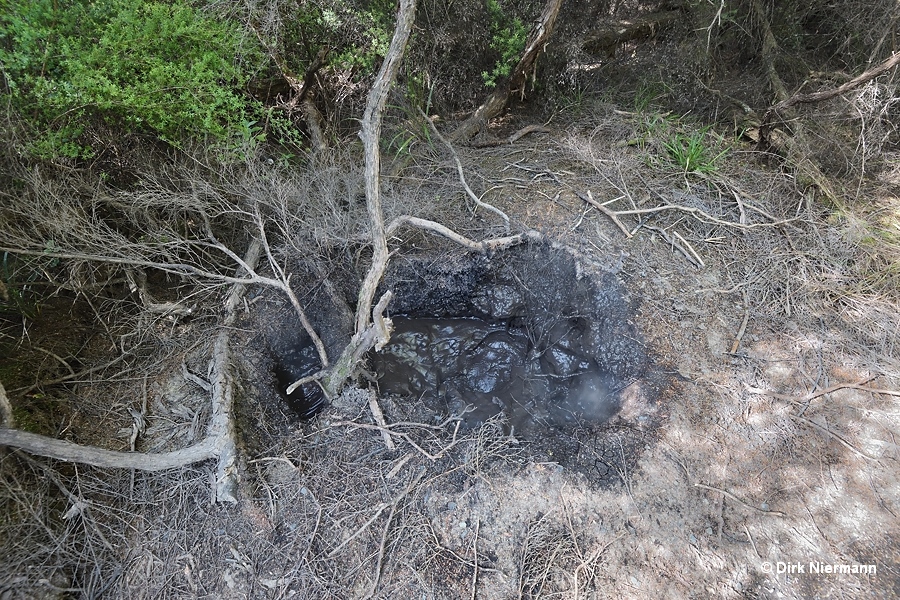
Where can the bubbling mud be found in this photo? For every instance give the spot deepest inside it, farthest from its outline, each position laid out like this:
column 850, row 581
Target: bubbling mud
column 460, row 363
column 527, row 334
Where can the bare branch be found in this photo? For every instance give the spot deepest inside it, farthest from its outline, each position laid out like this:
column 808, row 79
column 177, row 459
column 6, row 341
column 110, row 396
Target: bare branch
column 482, row 247
column 100, row 457
column 462, row 176
column 221, row 440
column 371, row 136
column 857, row 81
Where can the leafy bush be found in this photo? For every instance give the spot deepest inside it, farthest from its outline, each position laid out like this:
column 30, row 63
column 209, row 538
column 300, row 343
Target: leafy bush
column 508, row 37
column 136, row 65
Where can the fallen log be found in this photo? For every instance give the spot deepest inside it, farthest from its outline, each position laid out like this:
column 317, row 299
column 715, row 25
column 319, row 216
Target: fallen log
column 604, row 40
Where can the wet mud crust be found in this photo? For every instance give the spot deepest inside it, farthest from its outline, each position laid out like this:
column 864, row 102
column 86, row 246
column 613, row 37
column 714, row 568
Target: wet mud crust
column 530, row 336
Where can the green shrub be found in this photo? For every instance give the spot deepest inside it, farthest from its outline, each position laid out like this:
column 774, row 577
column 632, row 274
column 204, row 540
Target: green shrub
column 138, row 66
column 363, row 56
column 508, row 37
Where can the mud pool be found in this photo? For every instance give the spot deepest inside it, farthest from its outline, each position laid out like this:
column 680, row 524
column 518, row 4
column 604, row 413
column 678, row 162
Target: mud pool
column 487, row 368
column 530, row 334
column 296, row 362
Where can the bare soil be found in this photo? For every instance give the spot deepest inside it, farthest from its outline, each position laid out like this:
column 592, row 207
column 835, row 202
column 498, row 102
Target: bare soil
column 774, row 451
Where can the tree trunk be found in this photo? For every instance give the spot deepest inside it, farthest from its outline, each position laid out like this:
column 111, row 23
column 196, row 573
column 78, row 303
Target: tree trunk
column 368, row 335
column 497, row 101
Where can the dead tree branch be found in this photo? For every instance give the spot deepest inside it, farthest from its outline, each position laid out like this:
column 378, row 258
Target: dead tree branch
column 300, row 88
column 857, row 81
column 249, row 277
column 482, row 247
column 100, row 457
column 372, row 329
column 796, row 148
column 371, row 136
column 222, row 427
column 376, row 335
column 462, row 176
column 219, row 443
column 769, row 50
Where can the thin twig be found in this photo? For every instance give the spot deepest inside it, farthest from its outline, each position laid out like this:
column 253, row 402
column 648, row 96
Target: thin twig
column 743, row 328
column 379, row 419
column 407, row 438
column 674, row 244
column 592, row 558
column 690, row 248
column 752, row 543
column 379, row 509
column 612, row 215
column 384, row 535
column 77, row 375
column 813, row 395
column 774, row 513
column 7, row 419
column 475, row 552
column 701, row 215
column 841, row 440
column 462, row 176
column 58, row 358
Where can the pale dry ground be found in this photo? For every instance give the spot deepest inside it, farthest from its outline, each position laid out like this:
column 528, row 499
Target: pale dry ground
column 744, row 473
column 750, row 464
column 794, row 481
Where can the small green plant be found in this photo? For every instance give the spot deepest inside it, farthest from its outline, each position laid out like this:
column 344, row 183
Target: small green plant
column 508, row 37
column 645, row 96
column 652, row 126
column 690, row 152
column 377, row 25
column 573, row 100
column 401, row 143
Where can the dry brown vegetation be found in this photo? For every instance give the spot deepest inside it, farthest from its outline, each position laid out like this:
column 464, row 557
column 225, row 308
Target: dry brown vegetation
column 769, row 303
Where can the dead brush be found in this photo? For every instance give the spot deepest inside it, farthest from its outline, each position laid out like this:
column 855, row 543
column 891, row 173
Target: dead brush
column 558, row 559
column 548, row 557
column 491, row 442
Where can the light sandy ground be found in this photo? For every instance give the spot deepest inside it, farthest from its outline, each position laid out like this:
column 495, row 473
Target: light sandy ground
column 773, row 470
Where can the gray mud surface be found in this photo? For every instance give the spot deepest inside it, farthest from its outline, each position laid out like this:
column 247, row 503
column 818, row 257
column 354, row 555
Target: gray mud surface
column 523, row 333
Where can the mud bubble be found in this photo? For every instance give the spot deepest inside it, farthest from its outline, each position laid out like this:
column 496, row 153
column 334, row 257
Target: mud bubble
column 529, row 334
